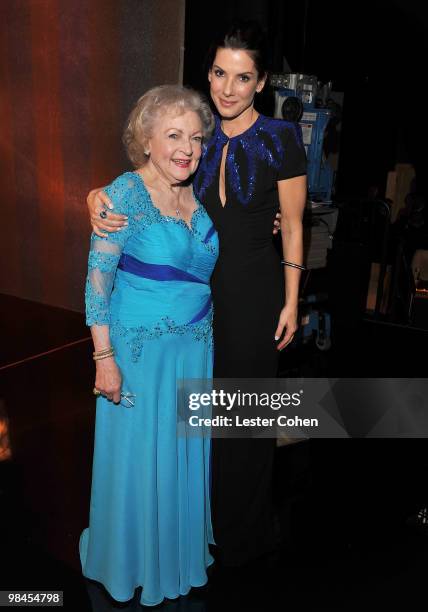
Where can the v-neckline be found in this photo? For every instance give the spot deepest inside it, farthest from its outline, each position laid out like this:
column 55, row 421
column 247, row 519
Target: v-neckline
column 171, row 217
column 227, row 140
column 219, row 175
column 244, row 133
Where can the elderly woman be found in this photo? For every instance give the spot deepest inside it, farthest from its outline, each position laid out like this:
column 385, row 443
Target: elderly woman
column 148, row 304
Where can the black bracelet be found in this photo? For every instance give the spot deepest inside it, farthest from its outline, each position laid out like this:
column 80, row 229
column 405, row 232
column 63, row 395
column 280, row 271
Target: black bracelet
column 293, row 265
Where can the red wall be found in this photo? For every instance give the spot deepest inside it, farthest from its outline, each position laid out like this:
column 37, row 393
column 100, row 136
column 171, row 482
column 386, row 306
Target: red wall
column 69, row 73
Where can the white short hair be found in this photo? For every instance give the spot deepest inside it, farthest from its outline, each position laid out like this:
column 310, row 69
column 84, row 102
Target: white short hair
column 159, row 99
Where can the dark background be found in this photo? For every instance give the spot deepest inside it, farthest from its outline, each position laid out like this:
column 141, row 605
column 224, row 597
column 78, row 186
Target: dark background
column 71, row 71
column 372, row 51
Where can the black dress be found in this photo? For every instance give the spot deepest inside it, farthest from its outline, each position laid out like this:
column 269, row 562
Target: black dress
column 248, row 294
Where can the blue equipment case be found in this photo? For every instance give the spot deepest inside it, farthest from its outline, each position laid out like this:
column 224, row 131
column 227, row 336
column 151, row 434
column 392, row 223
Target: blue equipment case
column 313, row 124
column 313, row 121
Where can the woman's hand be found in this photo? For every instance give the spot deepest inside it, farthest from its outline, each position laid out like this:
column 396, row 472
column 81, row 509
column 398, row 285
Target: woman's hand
column 98, row 201
column 288, row 322
column 108, row 379
column 277, row 224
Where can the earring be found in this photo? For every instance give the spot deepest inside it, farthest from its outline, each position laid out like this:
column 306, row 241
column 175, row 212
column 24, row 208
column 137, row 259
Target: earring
column 147, row 153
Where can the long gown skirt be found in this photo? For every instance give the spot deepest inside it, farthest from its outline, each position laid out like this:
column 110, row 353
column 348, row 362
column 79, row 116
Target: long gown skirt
column 150, row 511
column 242, row 469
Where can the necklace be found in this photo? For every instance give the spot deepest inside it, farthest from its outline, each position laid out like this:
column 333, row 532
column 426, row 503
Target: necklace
column 177, row 208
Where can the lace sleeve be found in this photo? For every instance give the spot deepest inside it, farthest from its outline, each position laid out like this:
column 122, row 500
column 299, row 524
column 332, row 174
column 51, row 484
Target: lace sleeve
column 104, row 255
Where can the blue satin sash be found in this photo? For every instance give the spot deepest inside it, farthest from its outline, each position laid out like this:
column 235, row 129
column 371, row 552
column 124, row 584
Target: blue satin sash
column 211, row 231
column 159, row 272
column 204, row 311
column 163, row 272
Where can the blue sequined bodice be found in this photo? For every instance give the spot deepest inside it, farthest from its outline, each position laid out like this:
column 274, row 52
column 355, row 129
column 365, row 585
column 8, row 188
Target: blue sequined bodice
column 269, row 144
column 271, row 150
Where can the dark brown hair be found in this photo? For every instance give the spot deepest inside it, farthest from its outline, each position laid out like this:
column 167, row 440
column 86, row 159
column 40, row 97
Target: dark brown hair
column 243, row 35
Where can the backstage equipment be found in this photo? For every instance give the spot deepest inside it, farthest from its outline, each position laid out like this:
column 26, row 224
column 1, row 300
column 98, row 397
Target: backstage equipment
column 408, row 300
column 319, row 224
column 360, row 259
column 300, row 98
column 419, row 298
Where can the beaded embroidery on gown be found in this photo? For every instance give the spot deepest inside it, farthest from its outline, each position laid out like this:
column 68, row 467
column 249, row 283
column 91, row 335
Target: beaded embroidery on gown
column 150, row 522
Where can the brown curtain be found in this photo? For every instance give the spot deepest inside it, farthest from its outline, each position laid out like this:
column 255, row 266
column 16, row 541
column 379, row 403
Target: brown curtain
column 69, row 75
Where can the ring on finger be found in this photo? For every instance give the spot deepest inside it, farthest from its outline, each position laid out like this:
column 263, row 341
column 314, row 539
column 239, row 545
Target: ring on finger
column 103, row 214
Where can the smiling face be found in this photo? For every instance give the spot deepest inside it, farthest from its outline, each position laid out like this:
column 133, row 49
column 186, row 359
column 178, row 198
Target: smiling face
column 234, row 81
column 175, row 146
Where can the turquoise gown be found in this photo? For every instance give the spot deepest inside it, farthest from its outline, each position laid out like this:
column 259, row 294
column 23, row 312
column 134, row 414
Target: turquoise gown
column 149, row 521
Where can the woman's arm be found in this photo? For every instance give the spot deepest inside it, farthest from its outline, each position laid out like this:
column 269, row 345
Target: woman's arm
column 104, row 256
column 292, row 199
column 98, row 201
column 102, row 264
column 108, row 379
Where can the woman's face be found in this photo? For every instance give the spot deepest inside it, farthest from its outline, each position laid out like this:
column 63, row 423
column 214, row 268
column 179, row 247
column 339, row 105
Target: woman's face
column 234, row 82
column 175, row 146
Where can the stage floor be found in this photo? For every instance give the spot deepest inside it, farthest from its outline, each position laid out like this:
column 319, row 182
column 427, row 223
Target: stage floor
column 345, row 535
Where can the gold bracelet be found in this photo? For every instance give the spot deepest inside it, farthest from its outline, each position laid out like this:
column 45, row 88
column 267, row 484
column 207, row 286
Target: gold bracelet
column 98, row 357
column 102, row 351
